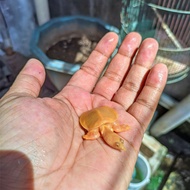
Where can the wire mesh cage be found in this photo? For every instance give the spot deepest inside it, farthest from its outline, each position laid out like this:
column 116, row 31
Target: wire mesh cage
column 168, row 21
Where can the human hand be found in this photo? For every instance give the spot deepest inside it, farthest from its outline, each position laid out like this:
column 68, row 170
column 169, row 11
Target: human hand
column 44, row 135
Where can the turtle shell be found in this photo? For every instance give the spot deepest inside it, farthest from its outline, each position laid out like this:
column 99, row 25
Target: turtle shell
column 96, row 117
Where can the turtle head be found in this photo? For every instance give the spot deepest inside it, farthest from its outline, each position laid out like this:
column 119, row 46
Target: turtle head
column 112, row 139
column 119, row 144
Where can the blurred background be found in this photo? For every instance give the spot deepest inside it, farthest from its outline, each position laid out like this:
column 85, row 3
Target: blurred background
column 62, row 34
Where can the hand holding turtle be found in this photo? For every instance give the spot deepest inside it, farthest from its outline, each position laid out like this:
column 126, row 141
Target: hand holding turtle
column 46, row 131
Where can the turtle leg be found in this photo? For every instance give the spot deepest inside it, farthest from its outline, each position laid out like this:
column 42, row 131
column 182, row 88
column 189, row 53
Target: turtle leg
column 92, row 134
column 120, row 128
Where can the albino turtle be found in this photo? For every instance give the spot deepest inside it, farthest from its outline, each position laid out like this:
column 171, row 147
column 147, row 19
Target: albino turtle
column 103, row 120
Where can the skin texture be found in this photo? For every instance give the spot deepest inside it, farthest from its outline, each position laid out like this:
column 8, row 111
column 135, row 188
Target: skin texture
column 46, row 132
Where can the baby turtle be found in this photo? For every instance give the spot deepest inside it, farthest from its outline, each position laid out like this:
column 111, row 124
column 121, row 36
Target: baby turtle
column 103, row 120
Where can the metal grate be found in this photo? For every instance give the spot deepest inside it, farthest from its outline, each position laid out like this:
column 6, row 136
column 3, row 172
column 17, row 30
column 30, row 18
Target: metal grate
column 169, row 22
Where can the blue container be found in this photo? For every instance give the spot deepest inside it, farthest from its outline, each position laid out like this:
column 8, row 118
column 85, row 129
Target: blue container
column 56, row 29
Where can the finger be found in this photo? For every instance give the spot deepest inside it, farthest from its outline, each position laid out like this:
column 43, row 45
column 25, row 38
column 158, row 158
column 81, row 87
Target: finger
column 110, row 82
column 30, row 80
column 134, row 80
column 144, row 106
column 90, row 71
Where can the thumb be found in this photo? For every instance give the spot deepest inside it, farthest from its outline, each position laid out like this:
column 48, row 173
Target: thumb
column 30, row 80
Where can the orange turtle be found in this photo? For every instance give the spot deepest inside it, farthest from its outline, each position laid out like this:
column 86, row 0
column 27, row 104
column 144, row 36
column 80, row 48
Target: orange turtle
column 103, row 120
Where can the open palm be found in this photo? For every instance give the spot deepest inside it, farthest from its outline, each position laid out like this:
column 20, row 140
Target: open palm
column 47, row 132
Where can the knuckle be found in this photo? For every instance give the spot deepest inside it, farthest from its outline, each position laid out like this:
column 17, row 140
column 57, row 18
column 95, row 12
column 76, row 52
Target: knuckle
column 148, row 103
column 90, row 70
column 131, row 86
column 113, row 76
